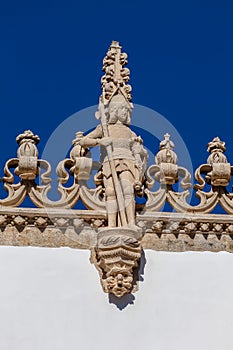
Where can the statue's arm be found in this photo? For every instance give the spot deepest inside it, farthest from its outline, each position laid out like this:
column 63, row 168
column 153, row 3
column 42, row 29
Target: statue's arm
column 93, row 138
column 139, row 152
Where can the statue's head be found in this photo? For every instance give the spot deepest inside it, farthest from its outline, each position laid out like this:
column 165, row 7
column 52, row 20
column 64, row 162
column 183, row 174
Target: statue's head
column 119, row 110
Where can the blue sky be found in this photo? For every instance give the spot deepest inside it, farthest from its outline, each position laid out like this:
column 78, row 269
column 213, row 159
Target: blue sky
column 180, row 57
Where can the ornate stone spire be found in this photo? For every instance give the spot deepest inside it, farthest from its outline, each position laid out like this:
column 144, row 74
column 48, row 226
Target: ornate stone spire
column 116, row 77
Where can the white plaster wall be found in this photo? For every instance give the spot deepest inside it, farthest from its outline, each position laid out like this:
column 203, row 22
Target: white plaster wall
column 52, row 299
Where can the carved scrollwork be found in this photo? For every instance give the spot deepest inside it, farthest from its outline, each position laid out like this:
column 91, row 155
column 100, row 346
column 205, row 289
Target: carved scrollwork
column 25, row 167
column 217, row 173
column 178, row 201
column 16, row 191
column 78, row 166
column 226, row 201
column 166, row 172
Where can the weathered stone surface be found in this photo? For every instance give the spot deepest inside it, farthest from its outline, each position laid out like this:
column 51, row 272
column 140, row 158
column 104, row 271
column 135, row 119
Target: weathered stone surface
column 181, row 233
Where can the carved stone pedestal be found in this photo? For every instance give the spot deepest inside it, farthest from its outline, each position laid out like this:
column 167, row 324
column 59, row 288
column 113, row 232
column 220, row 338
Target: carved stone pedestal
column 116, row 256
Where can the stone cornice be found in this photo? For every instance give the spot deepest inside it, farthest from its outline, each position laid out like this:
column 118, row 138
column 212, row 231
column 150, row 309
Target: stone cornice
column 78, row 229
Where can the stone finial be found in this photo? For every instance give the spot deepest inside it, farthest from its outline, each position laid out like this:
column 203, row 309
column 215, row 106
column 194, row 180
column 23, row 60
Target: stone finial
column 216, row 148
column 166, row 171
column 28, row 136
column 116, row 75
column 217, row 171
column 216, row 144
column 27, row 153
column 166, row 153
column 167, row 143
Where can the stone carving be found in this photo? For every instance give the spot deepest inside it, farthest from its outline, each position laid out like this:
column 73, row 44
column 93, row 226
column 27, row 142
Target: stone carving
column 217, row 169
column 116, row 256
column 123, row 158
column 115, row 74
column 121, row 174
column 217, row 173
column 166, row 172
column 122, row 165
column 27, row 155
column 114, row 226
column 27, row 167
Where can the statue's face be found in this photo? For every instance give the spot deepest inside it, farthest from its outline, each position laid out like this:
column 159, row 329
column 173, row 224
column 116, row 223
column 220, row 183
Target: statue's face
column 123, row 113
column 119, row 111
column 120, row 283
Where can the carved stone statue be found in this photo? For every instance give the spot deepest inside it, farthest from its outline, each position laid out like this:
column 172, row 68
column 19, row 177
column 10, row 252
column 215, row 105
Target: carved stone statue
column 123, row 158
column 123, row 164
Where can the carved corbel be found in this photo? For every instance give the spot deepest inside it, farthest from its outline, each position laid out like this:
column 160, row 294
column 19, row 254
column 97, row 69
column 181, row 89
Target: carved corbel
column 117, row 258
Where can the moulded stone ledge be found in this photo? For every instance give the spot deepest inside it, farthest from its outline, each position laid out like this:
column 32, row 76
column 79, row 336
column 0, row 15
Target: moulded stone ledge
column 78, row 229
